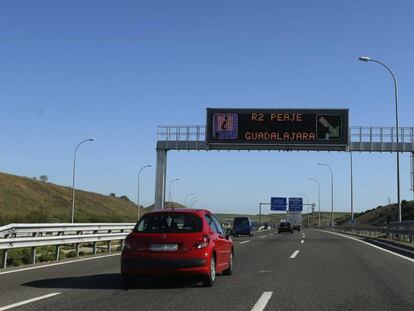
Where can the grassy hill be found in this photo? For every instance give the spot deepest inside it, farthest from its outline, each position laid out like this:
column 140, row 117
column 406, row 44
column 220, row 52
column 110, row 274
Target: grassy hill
column 25, row 200
column 382, row 215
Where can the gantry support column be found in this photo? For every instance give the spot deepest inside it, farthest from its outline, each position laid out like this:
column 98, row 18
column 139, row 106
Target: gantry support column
column 160, row 178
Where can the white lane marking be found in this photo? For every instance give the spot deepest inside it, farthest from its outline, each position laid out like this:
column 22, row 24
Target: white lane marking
column 24, row 302
column 262, row 302
column 262, row 237
column 294, row 254
column 247, row 241
column 372, row 245
column 271, row 234
column 396, row 247
column 265, row 271
column 60, row 263
column 303, row 241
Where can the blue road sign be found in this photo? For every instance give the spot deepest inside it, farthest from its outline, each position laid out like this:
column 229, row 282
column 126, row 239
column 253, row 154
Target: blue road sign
column 295, row 204
column 278, row 204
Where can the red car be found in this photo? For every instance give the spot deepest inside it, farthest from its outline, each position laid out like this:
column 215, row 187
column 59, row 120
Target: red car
column 177, row 242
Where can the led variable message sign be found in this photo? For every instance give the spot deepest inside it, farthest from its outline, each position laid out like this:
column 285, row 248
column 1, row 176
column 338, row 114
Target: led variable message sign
column 309, row 127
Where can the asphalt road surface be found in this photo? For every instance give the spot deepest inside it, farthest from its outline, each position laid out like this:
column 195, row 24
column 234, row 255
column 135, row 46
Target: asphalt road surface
column 310, row 270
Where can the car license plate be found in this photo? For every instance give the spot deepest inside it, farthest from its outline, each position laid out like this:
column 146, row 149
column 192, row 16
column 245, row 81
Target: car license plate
column 163, row 247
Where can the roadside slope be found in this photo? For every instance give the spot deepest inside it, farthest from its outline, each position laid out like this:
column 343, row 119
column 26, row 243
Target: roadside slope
column 26, row 200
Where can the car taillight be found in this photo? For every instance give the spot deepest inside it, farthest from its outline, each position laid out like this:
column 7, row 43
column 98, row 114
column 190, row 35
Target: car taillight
column 202, row 242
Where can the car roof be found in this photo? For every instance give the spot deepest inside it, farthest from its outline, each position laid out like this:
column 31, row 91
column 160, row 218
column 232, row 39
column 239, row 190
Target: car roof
column 181, row 210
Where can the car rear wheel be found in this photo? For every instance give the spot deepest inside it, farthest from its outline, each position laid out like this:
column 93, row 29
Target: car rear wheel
column 209, row 279
column 229, row 270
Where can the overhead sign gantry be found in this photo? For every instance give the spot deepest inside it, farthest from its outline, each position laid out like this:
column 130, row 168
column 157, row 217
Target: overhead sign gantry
column 275, row 129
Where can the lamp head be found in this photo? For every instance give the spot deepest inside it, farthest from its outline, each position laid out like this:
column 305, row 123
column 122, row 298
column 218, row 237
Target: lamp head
column 364, row 58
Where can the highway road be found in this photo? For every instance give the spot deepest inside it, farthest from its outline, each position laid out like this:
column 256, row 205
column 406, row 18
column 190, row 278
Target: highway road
column 310, row 270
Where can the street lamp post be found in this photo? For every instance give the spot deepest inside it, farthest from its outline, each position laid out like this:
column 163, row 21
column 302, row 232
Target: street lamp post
column 139, row 173
column 169, row 191
column 307, row 203
column 185, row 200
column 319, row 199
column 332, row 192
column 368, row 59
column 192, row 201
column 73, row 175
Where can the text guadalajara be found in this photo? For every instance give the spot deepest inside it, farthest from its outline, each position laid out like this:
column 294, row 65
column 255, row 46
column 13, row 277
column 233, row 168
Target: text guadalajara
column 278, row 136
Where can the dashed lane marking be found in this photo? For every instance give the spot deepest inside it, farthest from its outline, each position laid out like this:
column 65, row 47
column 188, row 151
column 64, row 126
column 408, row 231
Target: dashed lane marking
column 25, row 302
column 295, row 253
column 262, row 302
column 247, row 241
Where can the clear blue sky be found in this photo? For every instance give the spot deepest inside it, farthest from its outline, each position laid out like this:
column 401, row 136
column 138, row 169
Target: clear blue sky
column 115, row 70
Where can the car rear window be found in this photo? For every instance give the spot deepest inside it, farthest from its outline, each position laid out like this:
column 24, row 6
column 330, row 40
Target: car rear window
column 169, row 223
column 241, row 221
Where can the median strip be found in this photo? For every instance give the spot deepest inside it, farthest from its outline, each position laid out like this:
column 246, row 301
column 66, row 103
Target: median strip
column 295, row 253
column 25, row 302
column 262, row 302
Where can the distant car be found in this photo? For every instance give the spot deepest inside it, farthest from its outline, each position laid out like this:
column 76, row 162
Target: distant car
column 285, row 227
column 242, row 226
column 177, row 242
column 296, row 227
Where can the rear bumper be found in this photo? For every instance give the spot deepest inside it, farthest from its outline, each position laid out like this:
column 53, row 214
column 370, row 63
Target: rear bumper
column 285, row 230
column 157, row 264
column 242, row 231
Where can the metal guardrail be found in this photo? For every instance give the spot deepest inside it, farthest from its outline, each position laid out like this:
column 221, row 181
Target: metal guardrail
column 361, row 138
column 15, row 236
column 404, row 235
column 18, row 230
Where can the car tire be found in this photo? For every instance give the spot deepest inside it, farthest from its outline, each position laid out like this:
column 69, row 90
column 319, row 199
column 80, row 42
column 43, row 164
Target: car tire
column 208, row 280
column 229, row 270
column 127, row 282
